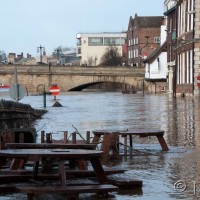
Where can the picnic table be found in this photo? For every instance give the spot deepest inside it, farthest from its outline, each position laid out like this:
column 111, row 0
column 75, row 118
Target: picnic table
column 109, row 136
column 60, row 156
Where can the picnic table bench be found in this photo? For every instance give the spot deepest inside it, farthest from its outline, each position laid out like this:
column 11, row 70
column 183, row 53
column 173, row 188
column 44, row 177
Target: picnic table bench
column 72, row 192
column 109, row 136
column 60, row 156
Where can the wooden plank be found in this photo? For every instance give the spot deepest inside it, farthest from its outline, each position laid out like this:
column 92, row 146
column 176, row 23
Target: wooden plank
column 94, row 188
column 6, row 189
column 48, row 146
column 125, row 182
column 91, row 172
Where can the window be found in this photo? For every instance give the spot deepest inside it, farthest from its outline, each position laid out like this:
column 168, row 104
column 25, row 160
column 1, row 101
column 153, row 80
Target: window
column 112, row 41
column 79, row 50
column 157, row 40
column 92, row 41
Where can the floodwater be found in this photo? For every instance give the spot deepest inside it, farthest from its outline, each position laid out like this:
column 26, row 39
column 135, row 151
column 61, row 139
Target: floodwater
column 166, row 175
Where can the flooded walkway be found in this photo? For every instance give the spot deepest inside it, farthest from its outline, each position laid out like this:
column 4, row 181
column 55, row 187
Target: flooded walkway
column 166, row 175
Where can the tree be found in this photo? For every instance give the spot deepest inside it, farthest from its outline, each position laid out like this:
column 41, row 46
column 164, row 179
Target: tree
column 3, row 59
column 111, row 57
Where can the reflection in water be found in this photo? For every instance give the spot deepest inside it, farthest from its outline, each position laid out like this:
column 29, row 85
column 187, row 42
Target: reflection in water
column 158, row 170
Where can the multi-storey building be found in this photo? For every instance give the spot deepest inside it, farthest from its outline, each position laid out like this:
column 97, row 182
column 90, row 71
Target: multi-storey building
column 156, row 65
column 170, row 13
column 92, row 46
column 184, row 45
column 143, row 37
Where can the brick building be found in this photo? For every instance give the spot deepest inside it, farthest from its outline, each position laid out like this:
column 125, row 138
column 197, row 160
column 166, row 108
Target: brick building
column 143, row 37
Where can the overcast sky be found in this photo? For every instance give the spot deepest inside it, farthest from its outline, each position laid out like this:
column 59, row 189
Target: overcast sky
column 27, row 24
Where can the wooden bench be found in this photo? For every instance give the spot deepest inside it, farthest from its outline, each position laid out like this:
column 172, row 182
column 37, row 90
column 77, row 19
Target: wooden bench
column 72, row 192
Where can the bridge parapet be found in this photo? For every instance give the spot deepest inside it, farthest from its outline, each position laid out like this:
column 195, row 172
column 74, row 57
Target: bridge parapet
column 69, row 77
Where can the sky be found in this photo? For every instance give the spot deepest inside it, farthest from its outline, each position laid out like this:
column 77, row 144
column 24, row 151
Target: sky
column 27, row 24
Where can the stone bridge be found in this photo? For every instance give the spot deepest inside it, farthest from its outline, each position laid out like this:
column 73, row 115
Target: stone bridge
column 70, row 78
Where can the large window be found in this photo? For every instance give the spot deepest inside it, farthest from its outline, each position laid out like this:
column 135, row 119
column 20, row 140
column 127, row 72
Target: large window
column 92, row 41
column 115, row 41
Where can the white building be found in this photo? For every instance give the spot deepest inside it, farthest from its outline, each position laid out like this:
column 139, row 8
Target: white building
column 92, row 46
column 156, row 65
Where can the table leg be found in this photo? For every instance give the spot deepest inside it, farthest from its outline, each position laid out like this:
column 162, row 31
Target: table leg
column 96, row 139
column 162, row 142
column 17, row 163
column 98, row 169
column 35, row 169
column 131, row 143
column 61, row 166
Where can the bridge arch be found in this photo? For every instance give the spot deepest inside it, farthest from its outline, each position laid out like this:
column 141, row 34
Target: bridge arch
column 89, row 81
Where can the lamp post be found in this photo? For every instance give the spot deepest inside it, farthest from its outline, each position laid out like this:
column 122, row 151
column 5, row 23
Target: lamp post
column 40, row 49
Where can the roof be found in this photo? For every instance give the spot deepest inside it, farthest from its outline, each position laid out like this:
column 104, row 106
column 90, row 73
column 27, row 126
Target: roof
column 156, row 53
column 147, row 21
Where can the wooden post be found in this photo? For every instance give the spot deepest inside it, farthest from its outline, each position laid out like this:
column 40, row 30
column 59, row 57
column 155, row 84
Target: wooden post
column 125, row 144
column 48, row 138
column 65, row 136
column 73, row 138
column 42, row 136
column 88, row 137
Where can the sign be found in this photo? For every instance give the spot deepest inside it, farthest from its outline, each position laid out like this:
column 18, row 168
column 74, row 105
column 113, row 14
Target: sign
column 55, row 90
column 198, row 81
column 17, row 92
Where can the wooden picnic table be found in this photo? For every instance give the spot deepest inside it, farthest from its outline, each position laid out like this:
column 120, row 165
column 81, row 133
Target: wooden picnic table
column 109, row 135
column 60, row 156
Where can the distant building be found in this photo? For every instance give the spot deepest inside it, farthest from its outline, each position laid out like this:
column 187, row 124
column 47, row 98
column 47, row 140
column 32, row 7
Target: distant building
column 92, row 46
column 20, row 59
column 63, row 56
column 143, row 37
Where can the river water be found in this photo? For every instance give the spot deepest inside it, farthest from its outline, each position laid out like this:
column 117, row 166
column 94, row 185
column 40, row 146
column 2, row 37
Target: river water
column 166, row 175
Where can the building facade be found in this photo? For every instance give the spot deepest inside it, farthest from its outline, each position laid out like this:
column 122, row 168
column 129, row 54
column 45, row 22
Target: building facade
column 92, row 46
column 156, row 65
column 143, row 37
column 184, row 45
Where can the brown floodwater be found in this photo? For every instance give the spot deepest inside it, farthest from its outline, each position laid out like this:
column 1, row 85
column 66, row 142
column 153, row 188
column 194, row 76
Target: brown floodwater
column 166, row 175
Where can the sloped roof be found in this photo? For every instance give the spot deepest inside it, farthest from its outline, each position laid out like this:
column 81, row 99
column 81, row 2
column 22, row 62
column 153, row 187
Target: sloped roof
column 146, row 21
column 156, row 53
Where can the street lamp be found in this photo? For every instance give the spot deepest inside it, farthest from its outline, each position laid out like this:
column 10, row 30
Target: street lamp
column 40, row 49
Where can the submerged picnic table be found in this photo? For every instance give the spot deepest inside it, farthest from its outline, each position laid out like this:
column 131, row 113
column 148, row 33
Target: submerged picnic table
column 113, row 135
column 60, row 156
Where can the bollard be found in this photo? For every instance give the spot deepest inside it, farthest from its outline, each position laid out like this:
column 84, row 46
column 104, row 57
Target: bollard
column 73, row 138
column 88, row 137
column 65, row 136
column 42, row 136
